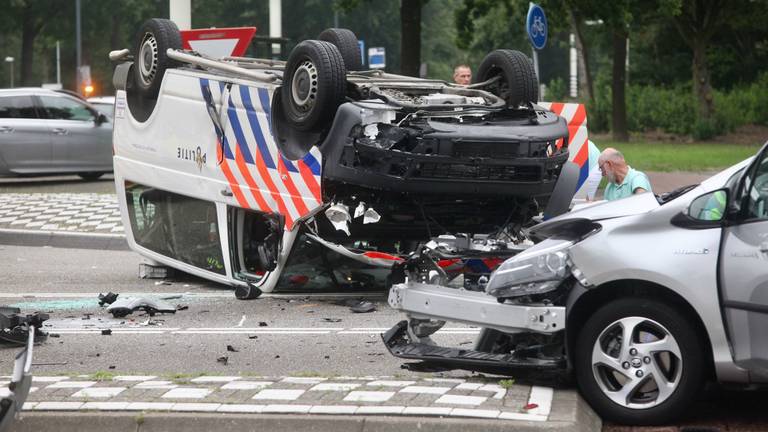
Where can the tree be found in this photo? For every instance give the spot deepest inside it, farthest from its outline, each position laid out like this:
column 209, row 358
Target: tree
column 410, row 36
column 697, row 21
column 33, row 16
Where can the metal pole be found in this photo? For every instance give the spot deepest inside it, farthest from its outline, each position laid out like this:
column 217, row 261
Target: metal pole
column 275, row 24
column 78, row 40
column 336, row 19
column 11, row 63
column 58, row 62
column 536, row 62
column 180, row 12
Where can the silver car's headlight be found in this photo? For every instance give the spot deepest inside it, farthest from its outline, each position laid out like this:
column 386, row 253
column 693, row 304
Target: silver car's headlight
column 537, row 270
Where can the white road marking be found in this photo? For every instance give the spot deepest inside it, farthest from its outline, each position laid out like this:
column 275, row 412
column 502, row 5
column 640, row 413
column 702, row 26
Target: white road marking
column 239, row 330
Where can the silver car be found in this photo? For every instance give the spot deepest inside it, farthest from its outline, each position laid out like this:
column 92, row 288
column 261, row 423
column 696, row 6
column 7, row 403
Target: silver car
column 643, row 299
column 47, row 132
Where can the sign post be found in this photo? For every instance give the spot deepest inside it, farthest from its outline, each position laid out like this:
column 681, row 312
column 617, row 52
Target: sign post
column 377, row 58
column 536, row 25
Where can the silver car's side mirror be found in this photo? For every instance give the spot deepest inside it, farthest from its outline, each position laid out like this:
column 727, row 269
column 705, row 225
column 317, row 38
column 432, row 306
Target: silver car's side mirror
column 101, row 119
column 711, row 206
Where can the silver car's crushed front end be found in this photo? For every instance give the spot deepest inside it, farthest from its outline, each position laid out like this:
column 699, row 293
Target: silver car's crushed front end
column 519, row 301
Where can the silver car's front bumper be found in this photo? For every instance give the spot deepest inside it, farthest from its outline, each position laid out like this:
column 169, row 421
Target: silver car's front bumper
column 425, row 301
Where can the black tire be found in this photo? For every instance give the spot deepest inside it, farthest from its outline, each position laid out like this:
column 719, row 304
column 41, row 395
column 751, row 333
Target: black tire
column 518, row 83
column 151, row 61
column 313, row 85
column 90, row 176
column 687, row 375
column 346, row 41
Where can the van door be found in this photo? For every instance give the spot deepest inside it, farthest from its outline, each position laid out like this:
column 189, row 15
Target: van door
column 744, row 271
column 25, row 144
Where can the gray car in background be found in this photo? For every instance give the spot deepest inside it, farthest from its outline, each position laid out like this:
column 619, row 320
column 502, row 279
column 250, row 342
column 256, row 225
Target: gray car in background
column 47, row 132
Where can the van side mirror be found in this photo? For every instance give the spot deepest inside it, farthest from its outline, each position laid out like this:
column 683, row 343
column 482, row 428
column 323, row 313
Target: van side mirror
column 101, row 119
column 706, row 211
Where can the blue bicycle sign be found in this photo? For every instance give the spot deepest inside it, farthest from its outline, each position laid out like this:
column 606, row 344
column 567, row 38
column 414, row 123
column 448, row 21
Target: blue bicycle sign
column 536, row 24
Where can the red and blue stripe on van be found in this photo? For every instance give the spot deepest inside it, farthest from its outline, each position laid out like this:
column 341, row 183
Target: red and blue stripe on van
column 576, row 116
column 260, row 177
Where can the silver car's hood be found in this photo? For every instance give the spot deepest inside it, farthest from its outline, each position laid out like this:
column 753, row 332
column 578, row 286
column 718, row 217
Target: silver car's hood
column 633, row 205
column 630, row 206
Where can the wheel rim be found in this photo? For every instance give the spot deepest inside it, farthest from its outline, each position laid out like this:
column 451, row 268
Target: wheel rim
column 637, row 363
column 304, row 86
column 148, row 58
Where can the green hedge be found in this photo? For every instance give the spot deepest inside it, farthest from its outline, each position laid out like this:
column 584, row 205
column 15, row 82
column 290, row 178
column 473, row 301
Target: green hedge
column 673, row 109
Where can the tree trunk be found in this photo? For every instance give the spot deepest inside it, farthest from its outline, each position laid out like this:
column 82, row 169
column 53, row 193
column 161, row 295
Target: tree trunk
column 28, row 35
column 114, row 37
column 702, row 88
column 410, row 37
column 585, row 74
column 618, row 86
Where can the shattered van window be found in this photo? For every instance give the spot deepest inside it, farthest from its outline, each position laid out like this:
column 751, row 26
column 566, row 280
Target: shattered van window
column 313, row 267
column 179, row 227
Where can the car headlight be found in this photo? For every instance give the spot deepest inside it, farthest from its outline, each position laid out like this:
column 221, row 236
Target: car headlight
column 537, row 270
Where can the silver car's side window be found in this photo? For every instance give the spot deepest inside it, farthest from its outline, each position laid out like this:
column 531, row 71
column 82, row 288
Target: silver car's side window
column 17, row 107
column 757, row 195
column 64, row 108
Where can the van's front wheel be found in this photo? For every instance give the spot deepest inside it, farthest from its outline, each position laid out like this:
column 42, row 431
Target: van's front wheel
column 638, row 361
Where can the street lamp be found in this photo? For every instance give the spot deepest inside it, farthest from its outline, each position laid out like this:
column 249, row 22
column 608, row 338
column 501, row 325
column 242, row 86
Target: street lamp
column 9, row 60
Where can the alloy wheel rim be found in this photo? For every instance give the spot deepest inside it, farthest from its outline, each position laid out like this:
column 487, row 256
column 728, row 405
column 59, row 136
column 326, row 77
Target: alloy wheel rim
column 637, row 363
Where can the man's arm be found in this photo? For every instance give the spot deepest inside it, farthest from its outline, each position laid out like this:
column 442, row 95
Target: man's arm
column 639, row 191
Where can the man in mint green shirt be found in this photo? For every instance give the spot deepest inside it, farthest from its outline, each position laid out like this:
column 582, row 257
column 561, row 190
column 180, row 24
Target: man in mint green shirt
column 623, row 180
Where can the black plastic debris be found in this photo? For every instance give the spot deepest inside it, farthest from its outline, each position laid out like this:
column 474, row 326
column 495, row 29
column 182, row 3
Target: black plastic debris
column 108, row 298
column 333, row 320
column 230, row 348
column 127, row 305
column 263, row 324
column 106, row 332
column 223, row 360
column 253, row 337
column 181, row 307
column 248, row 292
column 363, row 307
column 14, row 326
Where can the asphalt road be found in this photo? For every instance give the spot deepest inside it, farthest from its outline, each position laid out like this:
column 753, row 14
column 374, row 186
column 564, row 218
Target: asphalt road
column 272, row 335
column 57, row 184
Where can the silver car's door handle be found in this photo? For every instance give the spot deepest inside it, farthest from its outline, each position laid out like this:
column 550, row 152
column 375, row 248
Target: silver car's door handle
column 60, row 131
column 6, row 129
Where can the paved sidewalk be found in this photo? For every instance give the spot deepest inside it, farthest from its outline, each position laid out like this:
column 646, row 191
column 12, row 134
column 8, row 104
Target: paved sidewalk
column 70, row 212
column 510, row 405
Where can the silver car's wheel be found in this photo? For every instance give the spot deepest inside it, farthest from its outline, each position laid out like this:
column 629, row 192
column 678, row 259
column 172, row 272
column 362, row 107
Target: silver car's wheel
column 639, row 361
column 636, row 362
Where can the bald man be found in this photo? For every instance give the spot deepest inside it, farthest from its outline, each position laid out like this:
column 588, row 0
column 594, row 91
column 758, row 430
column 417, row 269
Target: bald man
column 623, row 180
column 462, row 75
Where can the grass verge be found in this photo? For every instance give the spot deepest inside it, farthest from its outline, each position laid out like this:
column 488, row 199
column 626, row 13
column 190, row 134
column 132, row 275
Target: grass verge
column 692, row 157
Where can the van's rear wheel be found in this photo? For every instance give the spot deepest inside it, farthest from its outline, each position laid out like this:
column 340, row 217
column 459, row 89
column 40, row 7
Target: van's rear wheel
column 313, row 85
column 346, row 41
column 516, row 81
column 151, row 61
column 638, row 361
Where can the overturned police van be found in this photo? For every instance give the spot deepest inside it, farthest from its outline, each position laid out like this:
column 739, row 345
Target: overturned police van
column 241, row 170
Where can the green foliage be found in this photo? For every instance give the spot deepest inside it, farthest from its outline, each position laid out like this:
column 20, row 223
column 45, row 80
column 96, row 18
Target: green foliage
column 557, row 90
column 673, row 109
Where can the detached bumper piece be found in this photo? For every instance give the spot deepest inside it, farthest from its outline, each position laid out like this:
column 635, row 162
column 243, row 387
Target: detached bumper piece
column 399, row 345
